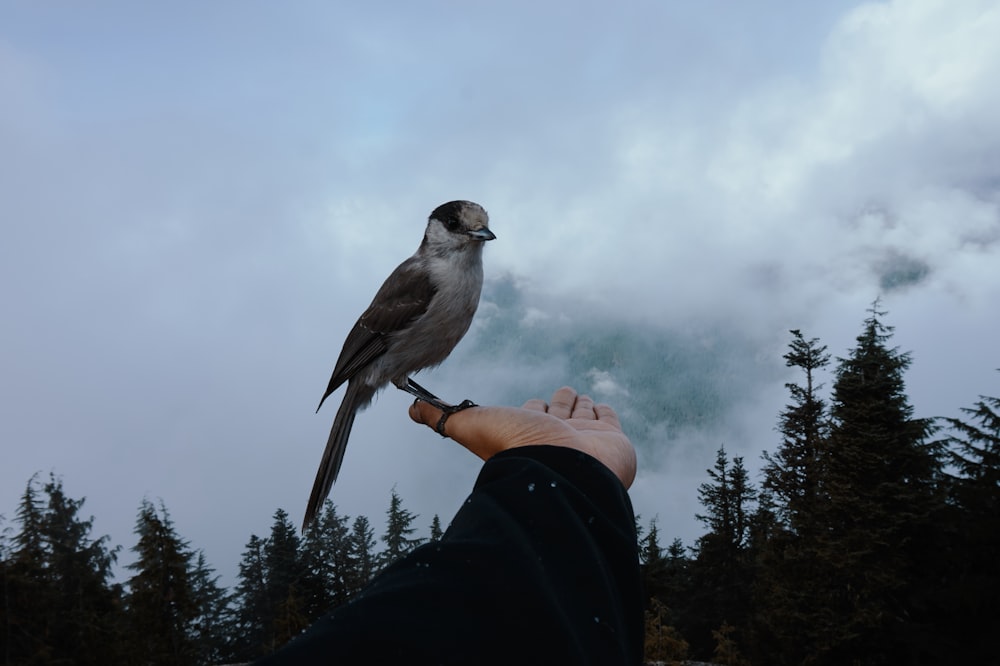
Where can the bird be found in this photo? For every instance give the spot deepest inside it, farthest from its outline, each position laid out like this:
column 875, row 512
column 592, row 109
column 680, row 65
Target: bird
column 422, row 310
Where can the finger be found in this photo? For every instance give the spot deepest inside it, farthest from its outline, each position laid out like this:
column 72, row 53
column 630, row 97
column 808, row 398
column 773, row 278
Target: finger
column 536, row 405
column 607, row 414
column 561, row 404
column 584, row 408
column 425, row 412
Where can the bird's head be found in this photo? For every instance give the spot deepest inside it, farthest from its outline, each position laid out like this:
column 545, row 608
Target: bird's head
column 457, row 225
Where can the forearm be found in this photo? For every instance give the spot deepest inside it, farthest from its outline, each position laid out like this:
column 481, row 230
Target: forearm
column 539, row 565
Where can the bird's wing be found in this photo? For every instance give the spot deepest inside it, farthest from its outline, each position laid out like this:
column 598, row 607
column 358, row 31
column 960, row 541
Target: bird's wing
column 403, row 297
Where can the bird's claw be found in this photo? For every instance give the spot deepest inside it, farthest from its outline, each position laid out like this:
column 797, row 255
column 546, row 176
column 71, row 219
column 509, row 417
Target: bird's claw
column 448, row 410
column 422, row 394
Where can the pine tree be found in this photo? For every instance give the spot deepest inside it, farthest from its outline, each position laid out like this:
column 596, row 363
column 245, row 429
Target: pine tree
column 677, row 593
column 213, row 624
column 254, row 614
column 436, row 531
column 663, row 643
column 878, row 502
column 970, row 606
column 792, row 473
column 975, row 451
column 660, row 579
column 649, row 545
column 652, row 563
column 721, row 572
column 397, row 532
column 361, row 555
column 785, row 625
column 326, row 557
column 160, row 603
column 677, row 559
column 30, row 540
column 6, row 575
column 727, row 497
column 287, row 576
column 27, row 594
column 58, row 579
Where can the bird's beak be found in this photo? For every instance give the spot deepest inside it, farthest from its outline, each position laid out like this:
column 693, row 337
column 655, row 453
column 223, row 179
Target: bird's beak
column 482, row 234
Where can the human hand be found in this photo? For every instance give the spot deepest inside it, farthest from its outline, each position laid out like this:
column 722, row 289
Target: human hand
column 568, row 420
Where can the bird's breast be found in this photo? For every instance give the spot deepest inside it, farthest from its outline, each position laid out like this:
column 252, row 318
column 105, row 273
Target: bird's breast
column 433, row 335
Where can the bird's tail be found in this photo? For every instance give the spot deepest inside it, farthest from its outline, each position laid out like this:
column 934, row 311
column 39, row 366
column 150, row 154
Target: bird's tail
column 358, row 395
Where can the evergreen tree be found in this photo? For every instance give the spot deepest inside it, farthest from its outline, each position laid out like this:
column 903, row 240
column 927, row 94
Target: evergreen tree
column 287, row 576
column 970, row 607
column 675, row 551
column 721, row 572
column 59, row 605
column 213, row 625
column 25, row 590
column 6, row 623
column 975, row 452
column 254, row 615
column 677, row 592
column 875, row 519
column 661, row 578
column 161, row 605
column 361, row 555
column 792, row 473
column 727, row 498
column 653, row 564
column 326, row 556
column 29, row 543
column 397, row 532
column 786, row 583
column 436, row 531
column 662, row 642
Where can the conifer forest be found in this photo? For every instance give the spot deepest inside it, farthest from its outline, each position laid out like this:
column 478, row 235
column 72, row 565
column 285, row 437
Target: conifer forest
column 872, row 536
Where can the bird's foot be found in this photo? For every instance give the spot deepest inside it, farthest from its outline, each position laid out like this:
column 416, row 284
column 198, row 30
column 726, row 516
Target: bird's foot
column 420, row 393
column 448, row 411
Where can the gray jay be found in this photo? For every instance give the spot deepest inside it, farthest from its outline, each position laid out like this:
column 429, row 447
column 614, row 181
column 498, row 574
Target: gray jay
column 417, row 317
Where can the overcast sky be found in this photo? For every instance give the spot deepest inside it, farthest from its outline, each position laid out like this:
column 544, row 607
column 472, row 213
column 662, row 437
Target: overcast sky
column 198, row 199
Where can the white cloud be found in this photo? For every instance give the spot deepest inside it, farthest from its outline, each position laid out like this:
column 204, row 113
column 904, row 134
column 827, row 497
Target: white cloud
column 605, row 387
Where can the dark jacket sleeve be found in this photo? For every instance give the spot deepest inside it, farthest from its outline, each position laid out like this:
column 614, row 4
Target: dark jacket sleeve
column 539, row 566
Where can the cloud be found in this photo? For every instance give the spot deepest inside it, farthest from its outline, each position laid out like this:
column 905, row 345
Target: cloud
column 604, row 386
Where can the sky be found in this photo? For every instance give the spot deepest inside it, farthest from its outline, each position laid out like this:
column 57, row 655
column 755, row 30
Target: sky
column 197, row 200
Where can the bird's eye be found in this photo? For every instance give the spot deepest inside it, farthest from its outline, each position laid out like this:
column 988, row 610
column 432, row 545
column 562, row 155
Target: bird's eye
column 451, row 224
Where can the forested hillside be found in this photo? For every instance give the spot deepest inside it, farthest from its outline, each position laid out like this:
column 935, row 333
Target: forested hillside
column 872, row 536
